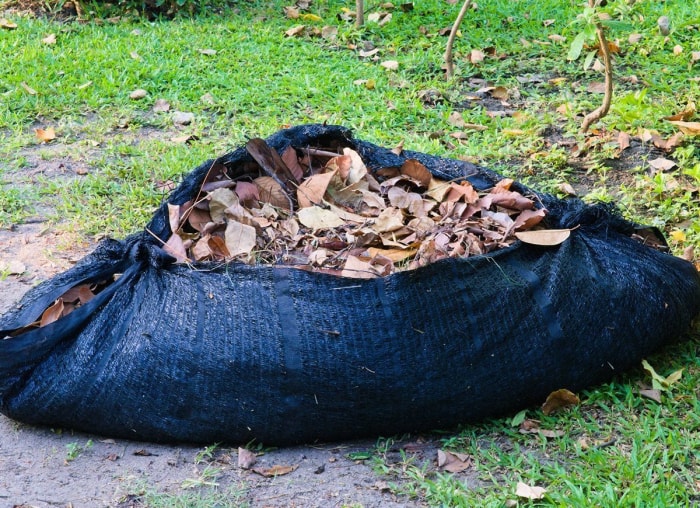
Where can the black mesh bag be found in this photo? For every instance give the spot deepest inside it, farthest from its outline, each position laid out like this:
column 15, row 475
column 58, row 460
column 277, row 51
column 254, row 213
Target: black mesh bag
column 233, row 352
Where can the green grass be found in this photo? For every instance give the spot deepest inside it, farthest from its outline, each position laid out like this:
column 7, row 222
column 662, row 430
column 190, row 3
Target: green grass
column 260, row 80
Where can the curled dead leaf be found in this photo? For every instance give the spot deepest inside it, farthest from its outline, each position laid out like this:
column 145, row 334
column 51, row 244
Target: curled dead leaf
column 138, row 94
column 45, row 135
column 526, row 491
column 276, row 470
column 559, row 399
column 688, row 128
column 246, row 458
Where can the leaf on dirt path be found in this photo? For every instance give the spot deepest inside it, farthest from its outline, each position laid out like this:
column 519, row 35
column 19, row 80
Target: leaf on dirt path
column 452, row 461
column 312, row 190
column 246, row 458
column 688, row 128
column 12, row 267
column 49, row 39
column 544, row 237
column 567, row 189
column 391, row 65
column 52, row 313
column 315, row 217
column 559, row 399
column 276, row 470
column 239, row 238
column 526, row 491
column 45, row 135
column 652, row 394
column 623, row 139
column 662, row 164
column 659, row 382
column 137, row 94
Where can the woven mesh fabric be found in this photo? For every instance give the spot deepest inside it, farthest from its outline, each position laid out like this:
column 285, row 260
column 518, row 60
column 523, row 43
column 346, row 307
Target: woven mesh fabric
column 231, row 353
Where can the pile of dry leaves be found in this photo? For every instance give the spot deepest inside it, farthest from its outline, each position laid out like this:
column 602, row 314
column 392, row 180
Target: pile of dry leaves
column 319, row 210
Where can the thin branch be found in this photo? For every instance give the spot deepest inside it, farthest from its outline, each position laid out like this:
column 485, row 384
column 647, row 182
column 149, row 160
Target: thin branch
column 599, row 113
column 449, row 62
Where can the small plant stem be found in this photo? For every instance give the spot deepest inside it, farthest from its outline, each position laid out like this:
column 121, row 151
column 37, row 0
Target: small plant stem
column 449, row 61
column 359, row 13
column 607, row 98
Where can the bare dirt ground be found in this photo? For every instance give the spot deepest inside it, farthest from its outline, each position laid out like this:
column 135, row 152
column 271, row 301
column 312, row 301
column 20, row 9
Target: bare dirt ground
column 42, row 467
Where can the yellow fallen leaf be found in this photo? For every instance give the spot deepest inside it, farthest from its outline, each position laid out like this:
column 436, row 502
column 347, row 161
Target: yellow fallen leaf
column 678, row 235
column 45, row 135
column 513, row 132
column 310, row 17
column 544, row 237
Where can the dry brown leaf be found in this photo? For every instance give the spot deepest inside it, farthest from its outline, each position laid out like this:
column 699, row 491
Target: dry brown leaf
column 12, row 267
column 559, row 399
column 453, row 462
column 528, row 219
column 315, row 217
column 596, row 87
column 544, row 237
column 462, row 191
column 49, row 39
column 525, row 491
column 391, row 65
column 556, row 38
column 623, row 139
column 174, row 217
column 358, row 268
column 175, row 246
column 677, row 49
column 219, row 201
column 389, row 219
column 499, row 92
column 662, row 164
column 685, row 115
column 289, row 157
column 275, row 470
column 246, row 458
column 567, row 188
column 138, row 94
column 456, row 119
column 396, row 255
column 357, row 170
column 688, row 128
column 417, row 171
column 45, row 135
column 200, row 249
column 271, row 192
column 185, row 138
column 239, row 238
column 654, row 395
column 7, row 24
column 295, row 31
column 311, row 191
column 634, row 38
column 52, row 313
column 476, row 56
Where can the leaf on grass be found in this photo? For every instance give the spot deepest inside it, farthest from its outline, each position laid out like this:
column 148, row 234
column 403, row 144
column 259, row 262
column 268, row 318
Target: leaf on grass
column 456, row 119
column 185, row 138
column 315, row 217
column 53, row 313
column 476, row 56
column 559, row 399
column 49, row 39
column 45, row 135
column 312, row 190
column 634, row 38
column 208, row 52
column 391, row 65
column 544, row 237
column 596, row 87
column 138, row 94
column 525, row 491
column 295, row 31
column 652, row 394
column 688, row 128
column 683, row 116
column 659, row 382
column 246, row 458
column 239, row 238
column 453, row 462
column 7, row 24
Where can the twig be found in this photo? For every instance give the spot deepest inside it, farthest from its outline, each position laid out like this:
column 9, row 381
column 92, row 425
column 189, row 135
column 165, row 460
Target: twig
column 607, row 98
column 449, row 62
